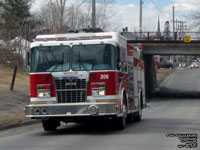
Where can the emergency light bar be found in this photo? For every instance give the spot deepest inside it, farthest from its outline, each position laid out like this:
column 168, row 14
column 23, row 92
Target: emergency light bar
column 73, row 38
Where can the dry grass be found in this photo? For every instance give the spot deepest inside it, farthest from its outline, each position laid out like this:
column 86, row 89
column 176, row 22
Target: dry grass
column 21, row 82
column 162, row 74
column 12, row 102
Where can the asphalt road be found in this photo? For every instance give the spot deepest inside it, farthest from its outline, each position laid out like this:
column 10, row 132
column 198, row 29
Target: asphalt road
column 183, row 79
column 182, row 83
column 164, row 117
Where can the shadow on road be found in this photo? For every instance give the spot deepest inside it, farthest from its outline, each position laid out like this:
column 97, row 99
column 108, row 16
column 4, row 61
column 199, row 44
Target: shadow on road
column 146, row 126
column 163, row 92
column 104, row 128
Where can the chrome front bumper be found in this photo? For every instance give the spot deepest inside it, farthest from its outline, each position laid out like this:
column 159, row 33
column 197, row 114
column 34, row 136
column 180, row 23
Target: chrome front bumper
column 71, row 110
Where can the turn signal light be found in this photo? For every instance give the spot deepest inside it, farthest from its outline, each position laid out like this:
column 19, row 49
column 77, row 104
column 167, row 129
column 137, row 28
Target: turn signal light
column 44, row 86
column 95, row 86
column 47, row 87
column 98, row 89
column 100, row 85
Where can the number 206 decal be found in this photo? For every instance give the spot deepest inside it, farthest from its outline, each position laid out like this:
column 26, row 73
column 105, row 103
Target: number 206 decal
column 104, row 76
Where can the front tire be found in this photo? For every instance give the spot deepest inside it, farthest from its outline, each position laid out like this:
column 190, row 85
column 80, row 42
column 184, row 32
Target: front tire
column 138, row 115
column 50, row 124
column 121, row 121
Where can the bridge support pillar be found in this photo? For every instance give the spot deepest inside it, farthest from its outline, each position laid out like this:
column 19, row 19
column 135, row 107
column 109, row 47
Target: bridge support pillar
column 150, row 74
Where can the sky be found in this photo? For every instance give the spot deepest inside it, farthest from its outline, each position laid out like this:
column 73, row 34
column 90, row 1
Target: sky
column 128, row 13
column 154, row 8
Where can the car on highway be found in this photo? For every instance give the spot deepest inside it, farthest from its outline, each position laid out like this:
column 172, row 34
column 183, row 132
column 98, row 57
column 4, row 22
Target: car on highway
column 167, row 64
column 194, row 65
column 182, row 65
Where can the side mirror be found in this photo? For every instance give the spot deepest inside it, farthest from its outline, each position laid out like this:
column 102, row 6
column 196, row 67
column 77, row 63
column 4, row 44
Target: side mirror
column 122, row 66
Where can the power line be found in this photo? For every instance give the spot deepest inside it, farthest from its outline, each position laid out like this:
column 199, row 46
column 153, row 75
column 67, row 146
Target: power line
column 160, row 10
column 164, row 2
column 161, row 3
column 169, row 1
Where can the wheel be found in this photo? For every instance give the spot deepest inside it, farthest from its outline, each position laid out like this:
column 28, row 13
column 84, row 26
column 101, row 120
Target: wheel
column 50, row 124
column 120, row 123
column 130, row 117
column 138, row 115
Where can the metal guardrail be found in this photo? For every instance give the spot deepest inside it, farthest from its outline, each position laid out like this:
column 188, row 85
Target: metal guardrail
column 161, row 36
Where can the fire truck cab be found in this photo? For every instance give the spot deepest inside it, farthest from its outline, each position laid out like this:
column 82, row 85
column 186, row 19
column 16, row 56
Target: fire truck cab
column 81, row 76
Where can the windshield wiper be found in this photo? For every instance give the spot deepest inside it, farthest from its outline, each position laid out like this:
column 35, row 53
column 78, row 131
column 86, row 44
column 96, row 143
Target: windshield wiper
column 47, row 78
column 83, row 65
column 79, row 60
column 63, row 59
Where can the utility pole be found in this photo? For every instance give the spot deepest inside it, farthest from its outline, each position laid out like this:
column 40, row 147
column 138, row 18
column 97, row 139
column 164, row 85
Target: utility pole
column 141, row 2
column 173, row 14
column 93, row 14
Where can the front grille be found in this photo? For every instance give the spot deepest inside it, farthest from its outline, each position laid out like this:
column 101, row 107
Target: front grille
column 70, row 90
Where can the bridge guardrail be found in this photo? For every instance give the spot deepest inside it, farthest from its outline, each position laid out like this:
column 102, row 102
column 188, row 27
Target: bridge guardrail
column 160, row 36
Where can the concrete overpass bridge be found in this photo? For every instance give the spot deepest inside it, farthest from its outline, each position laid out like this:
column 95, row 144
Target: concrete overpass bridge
column 170, row 48
column 174, row 44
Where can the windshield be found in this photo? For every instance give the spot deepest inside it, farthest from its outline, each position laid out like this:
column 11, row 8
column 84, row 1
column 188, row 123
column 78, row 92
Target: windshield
column 94, row 57
column 50, row 58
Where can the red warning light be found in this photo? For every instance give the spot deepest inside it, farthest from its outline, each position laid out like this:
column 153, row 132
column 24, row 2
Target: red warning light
column 141, row 47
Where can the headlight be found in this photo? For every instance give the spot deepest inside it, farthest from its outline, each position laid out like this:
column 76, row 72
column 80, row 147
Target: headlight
column 102, row 92
column 43, row 90
column 98, row 92
column 98, row 89
column 44, row 94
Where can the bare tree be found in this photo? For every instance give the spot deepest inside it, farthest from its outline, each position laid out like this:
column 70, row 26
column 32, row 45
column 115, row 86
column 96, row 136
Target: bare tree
column 105, row 12
column 53, row 15
column 195, row 19
column 77, row 18
column 58, row 7
column 167, row 30
column 61, row 15
column 46, row 18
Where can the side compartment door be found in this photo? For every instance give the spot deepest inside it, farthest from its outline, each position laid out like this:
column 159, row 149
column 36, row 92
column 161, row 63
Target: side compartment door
column 131, row 85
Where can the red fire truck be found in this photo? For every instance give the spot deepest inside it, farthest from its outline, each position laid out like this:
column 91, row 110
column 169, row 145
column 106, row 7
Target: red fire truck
column 81, row 76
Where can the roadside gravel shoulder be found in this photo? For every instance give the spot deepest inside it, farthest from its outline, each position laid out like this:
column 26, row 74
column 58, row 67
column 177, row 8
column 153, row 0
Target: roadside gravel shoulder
column 162, row 73
column 12, row 102
column 12, row 106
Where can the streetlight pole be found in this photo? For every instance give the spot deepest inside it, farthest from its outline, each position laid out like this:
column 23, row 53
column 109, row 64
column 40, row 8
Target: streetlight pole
column 140, row 25
column 173, row 14
column 93, row 14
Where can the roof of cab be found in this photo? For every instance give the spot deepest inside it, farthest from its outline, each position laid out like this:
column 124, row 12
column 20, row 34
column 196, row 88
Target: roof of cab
column 78, row 36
